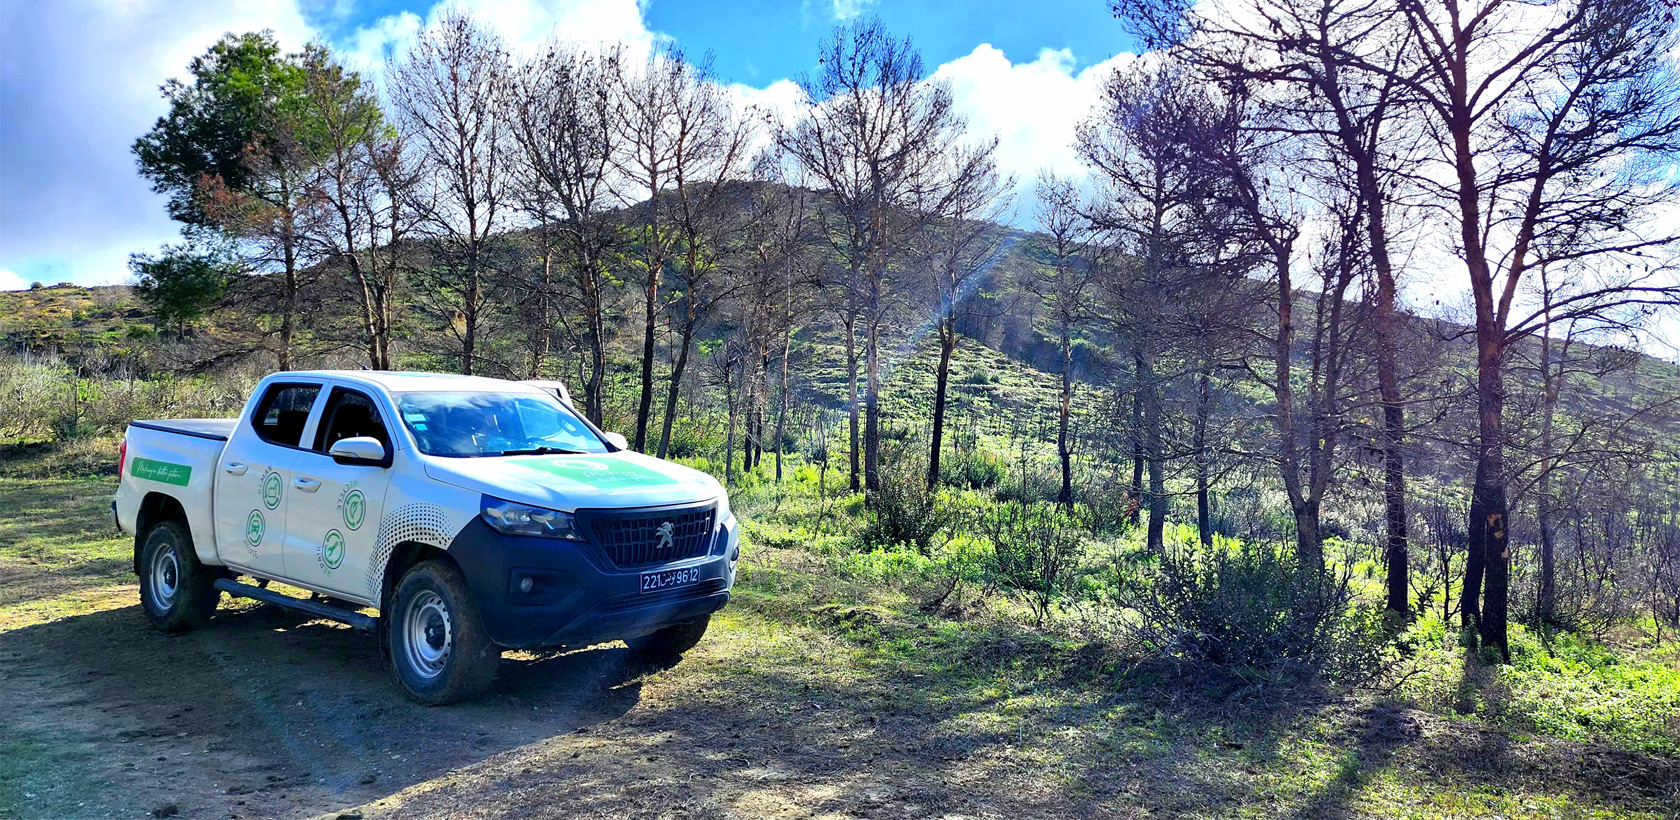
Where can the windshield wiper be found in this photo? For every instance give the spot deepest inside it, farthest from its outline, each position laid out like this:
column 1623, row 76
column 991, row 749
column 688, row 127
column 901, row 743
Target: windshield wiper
column 543, row 451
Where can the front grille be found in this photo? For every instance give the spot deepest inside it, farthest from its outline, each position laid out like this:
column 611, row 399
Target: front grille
column 636, row 538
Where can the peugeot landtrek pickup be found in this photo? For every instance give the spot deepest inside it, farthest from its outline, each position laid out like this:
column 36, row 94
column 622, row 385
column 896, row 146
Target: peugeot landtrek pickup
column 470, row 514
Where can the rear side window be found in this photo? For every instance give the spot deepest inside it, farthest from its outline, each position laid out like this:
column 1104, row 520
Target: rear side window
column 283, row 412
column 350, row 414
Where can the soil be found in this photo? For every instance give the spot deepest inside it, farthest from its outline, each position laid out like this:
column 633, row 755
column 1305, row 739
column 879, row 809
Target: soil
column 263, row 714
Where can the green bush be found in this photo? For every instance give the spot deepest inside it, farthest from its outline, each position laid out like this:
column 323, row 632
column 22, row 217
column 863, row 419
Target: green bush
column 972, row 469
column 685, row 442
column 904, row 511
column 28, row 398
column 1034, row 548
column 1247, row 606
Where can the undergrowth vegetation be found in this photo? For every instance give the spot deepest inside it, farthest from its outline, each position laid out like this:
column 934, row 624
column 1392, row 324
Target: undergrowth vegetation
column 986, row 555
column 1236, row 611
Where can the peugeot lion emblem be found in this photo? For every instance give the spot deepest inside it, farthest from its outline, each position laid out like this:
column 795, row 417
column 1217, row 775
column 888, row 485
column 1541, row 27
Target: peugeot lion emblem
column 666, row 531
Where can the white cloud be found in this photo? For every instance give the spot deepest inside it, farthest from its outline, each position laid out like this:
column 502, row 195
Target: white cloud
column 367, row 49
column 81, row 78
column 79, row 83
column 1035, row 108
column 9, row 280
column 847, row 9
column 526, row 26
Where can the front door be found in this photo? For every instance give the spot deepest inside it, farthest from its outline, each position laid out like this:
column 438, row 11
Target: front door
column 254, row 479
column 333, row 525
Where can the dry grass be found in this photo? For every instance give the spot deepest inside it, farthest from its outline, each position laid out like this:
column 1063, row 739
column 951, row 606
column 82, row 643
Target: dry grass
column 820, row 693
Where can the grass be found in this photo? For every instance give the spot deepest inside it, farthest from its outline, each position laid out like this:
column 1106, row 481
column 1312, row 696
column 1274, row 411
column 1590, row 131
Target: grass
column 838, row 641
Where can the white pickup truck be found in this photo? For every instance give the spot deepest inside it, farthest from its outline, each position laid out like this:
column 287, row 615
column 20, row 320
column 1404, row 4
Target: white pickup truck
column 473, row 514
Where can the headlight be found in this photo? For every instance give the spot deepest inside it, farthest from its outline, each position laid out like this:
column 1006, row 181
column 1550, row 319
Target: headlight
column 511, row 518
column 722, row 507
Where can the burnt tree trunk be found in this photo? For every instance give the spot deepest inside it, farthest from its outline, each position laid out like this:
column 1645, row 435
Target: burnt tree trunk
column 852, row 397
column 1064, row 447
column 1487, row 570
column 1204, row 515
column 672, row 393
column 947, row 346
column 1137, row 434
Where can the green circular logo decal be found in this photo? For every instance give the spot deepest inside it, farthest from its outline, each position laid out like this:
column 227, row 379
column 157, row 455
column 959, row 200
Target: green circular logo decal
column 332, row 550
column 254, row 528
column 355, row 508
column 271, row 490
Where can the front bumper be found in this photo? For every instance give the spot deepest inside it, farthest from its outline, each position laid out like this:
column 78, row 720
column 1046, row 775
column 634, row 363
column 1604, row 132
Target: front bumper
column 577, row 597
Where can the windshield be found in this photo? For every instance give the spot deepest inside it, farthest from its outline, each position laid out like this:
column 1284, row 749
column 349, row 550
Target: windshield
column 494, row 424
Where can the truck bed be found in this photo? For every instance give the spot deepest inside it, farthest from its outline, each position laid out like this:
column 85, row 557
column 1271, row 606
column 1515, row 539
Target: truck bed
column 216, row 429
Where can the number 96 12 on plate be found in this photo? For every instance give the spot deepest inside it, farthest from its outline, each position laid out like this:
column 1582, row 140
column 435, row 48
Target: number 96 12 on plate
column 669, row 579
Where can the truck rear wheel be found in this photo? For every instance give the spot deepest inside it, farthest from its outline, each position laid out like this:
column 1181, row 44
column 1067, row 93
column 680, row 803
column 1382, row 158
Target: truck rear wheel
column 176, row 591
column 670, row 642
column 439, row 648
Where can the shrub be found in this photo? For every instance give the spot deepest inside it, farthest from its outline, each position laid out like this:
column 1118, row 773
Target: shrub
column 1033, row 548
column 29, row 397
column 1246, row 606
column 1106, row 506
column 905, row 511
column 685, row 442
column 1037, row 481
column 972, row 469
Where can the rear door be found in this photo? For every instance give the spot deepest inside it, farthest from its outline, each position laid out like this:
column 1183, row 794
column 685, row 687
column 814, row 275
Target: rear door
column 333, row 525
column 254, row 481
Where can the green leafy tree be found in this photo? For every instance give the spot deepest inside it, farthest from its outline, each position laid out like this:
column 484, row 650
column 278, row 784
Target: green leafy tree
column 183, row 282
column 227, row 109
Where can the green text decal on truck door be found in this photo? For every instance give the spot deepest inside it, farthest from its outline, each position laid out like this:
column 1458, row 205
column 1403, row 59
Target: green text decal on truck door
column 177, row 474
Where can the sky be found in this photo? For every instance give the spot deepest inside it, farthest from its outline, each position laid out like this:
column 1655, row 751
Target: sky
column 79, row 82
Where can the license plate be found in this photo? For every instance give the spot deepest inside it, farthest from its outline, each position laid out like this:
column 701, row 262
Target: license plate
column 669, row 579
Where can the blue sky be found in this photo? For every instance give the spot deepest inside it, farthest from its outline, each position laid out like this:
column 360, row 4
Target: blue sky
column 79, row 78
column 759, row 41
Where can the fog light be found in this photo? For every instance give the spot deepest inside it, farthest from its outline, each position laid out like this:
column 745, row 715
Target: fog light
column 538, row 587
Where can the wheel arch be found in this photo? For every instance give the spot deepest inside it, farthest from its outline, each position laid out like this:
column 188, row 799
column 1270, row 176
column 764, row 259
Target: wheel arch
column 155, row 509
column 405, row 556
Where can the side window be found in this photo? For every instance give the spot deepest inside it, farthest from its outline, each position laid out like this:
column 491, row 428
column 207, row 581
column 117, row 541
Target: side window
column 350, row 414
column 283, row 412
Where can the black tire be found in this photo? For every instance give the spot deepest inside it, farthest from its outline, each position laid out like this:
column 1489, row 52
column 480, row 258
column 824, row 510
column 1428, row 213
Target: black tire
column 439, row 649
column 176, row 591
column 671, row 642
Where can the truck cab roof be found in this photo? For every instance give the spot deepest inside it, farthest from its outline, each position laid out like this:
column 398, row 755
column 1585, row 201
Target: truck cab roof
column 411, row 381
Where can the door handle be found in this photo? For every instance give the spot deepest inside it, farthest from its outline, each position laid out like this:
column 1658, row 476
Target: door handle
column 235, row 468
column 307, row 485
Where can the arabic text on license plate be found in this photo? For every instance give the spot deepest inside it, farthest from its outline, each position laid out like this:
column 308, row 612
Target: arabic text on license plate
column 668, row 579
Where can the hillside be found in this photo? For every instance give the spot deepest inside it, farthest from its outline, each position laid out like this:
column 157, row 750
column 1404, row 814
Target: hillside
column 70, row 320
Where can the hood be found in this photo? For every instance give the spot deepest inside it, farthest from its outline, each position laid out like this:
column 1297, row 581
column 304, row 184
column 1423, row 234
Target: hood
column 569, row 483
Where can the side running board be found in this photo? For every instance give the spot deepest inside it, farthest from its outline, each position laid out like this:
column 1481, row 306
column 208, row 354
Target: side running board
column 315, row 608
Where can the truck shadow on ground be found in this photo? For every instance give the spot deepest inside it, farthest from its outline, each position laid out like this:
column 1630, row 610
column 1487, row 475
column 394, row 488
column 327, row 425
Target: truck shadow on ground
column 259, row 714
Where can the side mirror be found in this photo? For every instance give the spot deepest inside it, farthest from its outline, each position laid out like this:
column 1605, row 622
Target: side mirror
column 617, row 440
column 358, row 450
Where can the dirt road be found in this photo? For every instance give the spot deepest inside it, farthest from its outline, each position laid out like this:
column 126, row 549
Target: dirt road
column 261, row 715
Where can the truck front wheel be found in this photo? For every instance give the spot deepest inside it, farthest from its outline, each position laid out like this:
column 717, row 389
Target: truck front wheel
column 439, row 649
column 176, row 591
column 670, row 642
